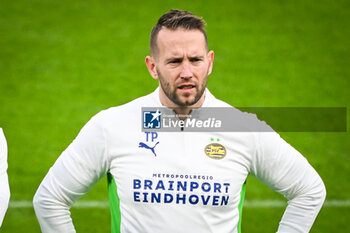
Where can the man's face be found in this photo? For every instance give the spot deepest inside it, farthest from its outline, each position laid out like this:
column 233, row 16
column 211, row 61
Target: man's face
column 182, row 65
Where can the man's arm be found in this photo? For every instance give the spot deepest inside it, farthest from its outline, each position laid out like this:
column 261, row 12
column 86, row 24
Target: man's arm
column 77, row 169
column 286, row 171
column 4, row 183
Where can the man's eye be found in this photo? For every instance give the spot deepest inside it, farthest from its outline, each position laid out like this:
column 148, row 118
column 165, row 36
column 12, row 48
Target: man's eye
column 195, row 60
column 175, row 61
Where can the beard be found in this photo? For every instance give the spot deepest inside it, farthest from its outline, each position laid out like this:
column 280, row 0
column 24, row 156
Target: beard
column 170, row 92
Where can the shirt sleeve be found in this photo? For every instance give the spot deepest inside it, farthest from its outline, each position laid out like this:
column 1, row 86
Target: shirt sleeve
column 76, row 170
column 286, row 171
column 4, row 183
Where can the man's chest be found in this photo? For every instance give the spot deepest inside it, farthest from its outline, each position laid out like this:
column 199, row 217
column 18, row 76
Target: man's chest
column 179, row 168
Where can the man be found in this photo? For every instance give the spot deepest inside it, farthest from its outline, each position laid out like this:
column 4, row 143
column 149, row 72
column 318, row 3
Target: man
column 4, row 183
column 176, row 181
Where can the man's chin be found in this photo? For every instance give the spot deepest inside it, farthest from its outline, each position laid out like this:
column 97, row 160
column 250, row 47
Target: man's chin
column 186, row 99
column 187, row 102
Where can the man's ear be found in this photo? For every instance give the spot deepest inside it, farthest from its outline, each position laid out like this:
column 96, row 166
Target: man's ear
column 151, row 66
column 211, row 61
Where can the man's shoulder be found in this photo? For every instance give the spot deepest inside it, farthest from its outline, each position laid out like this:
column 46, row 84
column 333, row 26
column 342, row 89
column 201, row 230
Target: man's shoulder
column 234, row 112
column 212, row 101
column 135, row 104
column 242, row 120
column 220, row 103
column 127, row 110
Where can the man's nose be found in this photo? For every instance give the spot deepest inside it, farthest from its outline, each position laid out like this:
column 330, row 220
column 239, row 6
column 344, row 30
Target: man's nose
column 186, row 71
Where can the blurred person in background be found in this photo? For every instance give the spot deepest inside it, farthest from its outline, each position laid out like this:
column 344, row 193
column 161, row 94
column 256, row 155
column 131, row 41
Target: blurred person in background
column 4, row 183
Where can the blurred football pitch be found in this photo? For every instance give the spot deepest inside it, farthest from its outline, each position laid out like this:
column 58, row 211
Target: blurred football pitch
column 63, row 61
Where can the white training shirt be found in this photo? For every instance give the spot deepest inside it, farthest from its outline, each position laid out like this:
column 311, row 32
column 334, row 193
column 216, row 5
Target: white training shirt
column 4, row 183
column 176, row 187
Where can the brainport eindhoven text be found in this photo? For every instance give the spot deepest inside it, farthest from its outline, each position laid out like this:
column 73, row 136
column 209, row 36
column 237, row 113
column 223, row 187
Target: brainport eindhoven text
column 181, row 192
column 198, row 123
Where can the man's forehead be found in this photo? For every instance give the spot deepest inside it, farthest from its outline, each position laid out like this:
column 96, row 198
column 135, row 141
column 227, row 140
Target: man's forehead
column 176, row 41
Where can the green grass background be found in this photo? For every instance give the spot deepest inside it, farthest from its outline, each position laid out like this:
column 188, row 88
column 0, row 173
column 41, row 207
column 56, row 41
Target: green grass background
column 63, row 61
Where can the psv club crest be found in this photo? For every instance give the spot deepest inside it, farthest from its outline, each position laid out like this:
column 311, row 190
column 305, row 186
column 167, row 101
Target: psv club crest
column 215, row 151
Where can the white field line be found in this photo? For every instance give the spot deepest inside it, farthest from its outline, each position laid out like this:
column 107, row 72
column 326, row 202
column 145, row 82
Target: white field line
column 247, row 204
